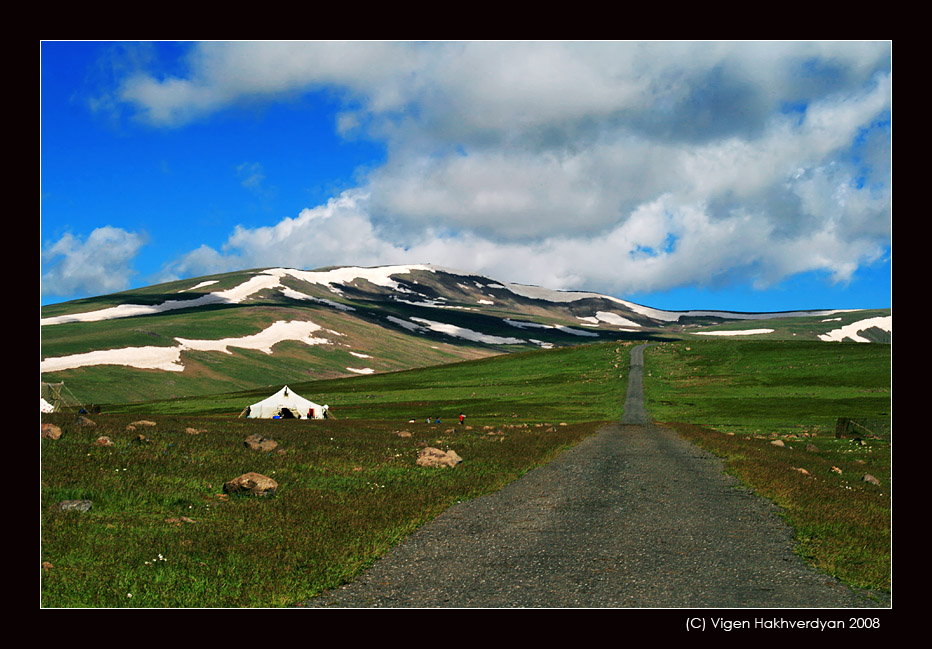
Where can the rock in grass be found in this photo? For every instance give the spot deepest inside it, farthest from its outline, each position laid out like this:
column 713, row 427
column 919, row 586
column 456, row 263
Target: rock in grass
column 431, row 456
column 103, row 441
column 871, row 479
column 251, row 483
column 84, row 421
column 75, row 505
column 777, row 442
column 50, row 431
column 259, row 443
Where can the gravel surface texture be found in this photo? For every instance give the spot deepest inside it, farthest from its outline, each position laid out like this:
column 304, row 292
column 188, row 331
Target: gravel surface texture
column 634, row 516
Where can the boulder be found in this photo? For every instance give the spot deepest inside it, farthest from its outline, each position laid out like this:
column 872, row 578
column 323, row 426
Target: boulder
column 434, row 457
column 251, row 483
column 103, row 441
column 259, row 443
column 50, row 431
column 777, row 442
column 403, row 433
column 142, row 422
column 871, row 479
column 84, row 421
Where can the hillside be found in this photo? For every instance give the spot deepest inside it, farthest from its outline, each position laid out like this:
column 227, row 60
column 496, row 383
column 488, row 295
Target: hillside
column 272, row 326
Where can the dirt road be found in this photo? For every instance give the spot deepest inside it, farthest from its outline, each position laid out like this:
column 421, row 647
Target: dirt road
column 632, row 517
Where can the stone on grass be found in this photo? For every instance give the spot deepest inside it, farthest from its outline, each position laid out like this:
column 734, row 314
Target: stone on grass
column 50, row 431
column 179, row 520
column 84, row 421
column 259, row 443
column 103, row 441
column 403, row 433
column 433, row 457
column 777, row 442
column 75, row 505
column 812, row 448
column 871, row 479
column 251, row 483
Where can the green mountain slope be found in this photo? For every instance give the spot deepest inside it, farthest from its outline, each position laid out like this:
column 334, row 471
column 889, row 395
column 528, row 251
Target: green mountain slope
column 266, row 327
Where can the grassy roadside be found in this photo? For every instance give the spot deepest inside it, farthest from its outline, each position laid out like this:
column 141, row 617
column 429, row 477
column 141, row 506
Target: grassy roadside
column 161, row 532
column 735, row 398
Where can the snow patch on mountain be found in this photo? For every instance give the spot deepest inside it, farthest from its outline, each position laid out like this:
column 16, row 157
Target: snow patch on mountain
column 169, row 358
column 741, row 332
column 851, row 331
column 524, row 325
column 609, row 318
column 468, row 334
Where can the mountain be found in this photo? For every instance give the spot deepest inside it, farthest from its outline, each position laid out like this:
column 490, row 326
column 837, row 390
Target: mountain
column 272, row 326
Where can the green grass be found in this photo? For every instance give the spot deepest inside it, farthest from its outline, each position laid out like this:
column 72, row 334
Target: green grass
column 572, row 384
column 349, row 489
column 795, row 392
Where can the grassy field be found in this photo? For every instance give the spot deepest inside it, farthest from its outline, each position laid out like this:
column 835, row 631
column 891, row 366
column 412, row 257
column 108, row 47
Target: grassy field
column 735, row 399
column 579, row 383
column 161, row 532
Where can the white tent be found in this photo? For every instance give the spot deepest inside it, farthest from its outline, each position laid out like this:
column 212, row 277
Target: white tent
column 286, row 404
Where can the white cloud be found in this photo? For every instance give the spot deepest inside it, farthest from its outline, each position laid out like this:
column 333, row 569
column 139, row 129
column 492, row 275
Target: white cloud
column 99, row 264
column 613, row 166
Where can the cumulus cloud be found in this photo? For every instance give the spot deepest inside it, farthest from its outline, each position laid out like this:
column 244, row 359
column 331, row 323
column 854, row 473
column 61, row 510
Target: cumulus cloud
column 99, row 264
column 610, row 166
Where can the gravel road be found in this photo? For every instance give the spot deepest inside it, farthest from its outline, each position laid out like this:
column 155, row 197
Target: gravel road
column 632, row 517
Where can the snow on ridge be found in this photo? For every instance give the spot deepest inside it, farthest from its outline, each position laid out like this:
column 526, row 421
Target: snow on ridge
column 851, row 330
column 169, row 358
column 468, row 334
column 362, row 370
column 614, row 319
column 382, row 276
column 410, row 326
column 741, row 332
column 521, row 324
column 298, row 295
column 554, row 295
column 201, row 285
column 378, row 275
column 269, row 278
column 259, row 282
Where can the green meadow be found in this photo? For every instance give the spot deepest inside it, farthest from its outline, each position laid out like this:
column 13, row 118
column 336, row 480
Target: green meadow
column 161, row 532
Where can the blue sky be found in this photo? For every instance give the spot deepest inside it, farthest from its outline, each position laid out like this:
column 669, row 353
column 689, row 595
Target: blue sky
column 747, row 176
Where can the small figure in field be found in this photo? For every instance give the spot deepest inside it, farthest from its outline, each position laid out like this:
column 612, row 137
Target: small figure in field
column 462, row 417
